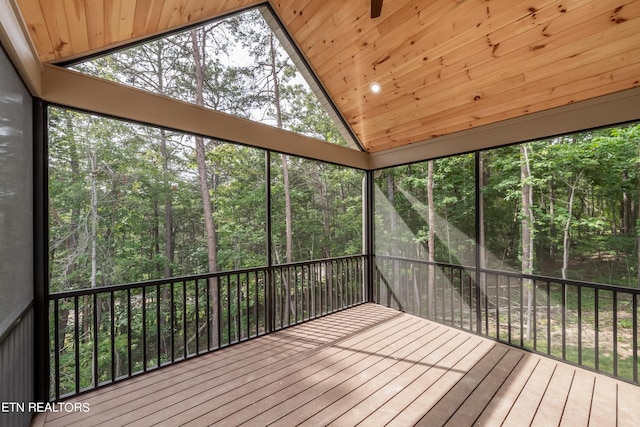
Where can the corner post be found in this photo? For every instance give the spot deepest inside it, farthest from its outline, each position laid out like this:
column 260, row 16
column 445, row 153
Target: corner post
column 478, row 240
column 41, row 367
column 368, row 241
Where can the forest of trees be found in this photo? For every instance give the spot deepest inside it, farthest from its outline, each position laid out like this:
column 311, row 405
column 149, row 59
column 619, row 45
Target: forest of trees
column 129, row 202
column 566, row 207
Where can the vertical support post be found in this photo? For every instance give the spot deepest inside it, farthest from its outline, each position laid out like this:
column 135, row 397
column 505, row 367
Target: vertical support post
column 478, row 242
column 634, row 311
column 368, row 241
column 269, row 300
column 41, row 367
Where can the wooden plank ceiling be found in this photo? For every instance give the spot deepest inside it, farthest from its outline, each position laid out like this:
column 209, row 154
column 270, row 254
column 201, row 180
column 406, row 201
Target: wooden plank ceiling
column 444, row 65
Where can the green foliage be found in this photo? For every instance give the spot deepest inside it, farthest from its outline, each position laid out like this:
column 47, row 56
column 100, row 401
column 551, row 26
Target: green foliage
column 326, row 209
column 147, row 221
column 405, row 228
column 601, row 168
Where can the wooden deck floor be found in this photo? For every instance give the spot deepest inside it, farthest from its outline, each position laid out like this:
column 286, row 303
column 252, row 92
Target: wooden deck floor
column 368, row 365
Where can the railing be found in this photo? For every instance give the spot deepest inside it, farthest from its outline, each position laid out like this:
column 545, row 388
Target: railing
column 591, row 325
column 102, row 335
column 442, row 292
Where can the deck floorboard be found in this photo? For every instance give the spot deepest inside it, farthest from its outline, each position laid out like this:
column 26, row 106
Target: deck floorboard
column 368, row 365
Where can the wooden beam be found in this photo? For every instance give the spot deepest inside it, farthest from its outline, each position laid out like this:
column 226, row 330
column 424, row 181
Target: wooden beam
column 70, row 88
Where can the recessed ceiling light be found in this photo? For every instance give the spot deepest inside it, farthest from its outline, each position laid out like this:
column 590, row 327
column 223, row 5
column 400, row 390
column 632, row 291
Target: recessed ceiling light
column 375, row 88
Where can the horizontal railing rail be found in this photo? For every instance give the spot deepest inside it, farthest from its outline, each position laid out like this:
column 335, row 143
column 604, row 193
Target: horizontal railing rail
column 587, row 324
column 105, row 334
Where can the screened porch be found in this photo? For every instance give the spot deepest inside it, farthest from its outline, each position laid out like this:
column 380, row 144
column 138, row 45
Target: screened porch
column 282, row 212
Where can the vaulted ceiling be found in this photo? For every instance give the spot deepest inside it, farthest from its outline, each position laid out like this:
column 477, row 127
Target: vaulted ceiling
column 444, row 65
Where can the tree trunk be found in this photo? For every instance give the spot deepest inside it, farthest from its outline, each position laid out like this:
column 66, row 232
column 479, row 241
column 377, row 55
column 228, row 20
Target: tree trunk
column 71, row 241
column 74, row 163
column 156, row 235
column 199, row 61
column 169, row 245
column 527, row 224
column 393, row 221
column 393, row 235
column 285, row 173
column 626, row 208
column 93, row 175
column 287, row 209
column 566, row 239
column 323, row 197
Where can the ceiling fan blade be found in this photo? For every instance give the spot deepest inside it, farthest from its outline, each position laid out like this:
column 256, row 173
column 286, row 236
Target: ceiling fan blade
column 376, row 8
